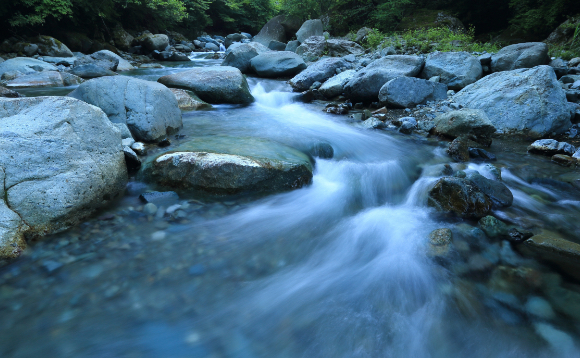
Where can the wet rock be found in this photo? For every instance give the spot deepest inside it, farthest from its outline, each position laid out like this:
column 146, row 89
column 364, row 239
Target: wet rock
column 322, row 150
column 373, row 123
column 80, row 168
column 90, row 71
column 335, row 85
column 566, row 148
column 240, row 55
column 517, row 236
column 64, row 61
column 49, row 46
column 232, row 38
column 408, row 92
column 309, row 28
column 514, row 105
column 440, row 242
column 408, row 125
column 455, row 69
column 460, row 197
column 150, row 42
column 473, row 123
column 160, row 198
column 139, row 148
column 544, row 146
column 122, row 38
column 187, row 100
column 44, row 79
column 25, row 66
column 564, row 160
column 458, row 149
column 478, row 153
column 131, row 159
column 523, row 55
column 497, row 191
column 277, row 64
column 366, row 83
column 493, row 228
column 560, row 341
column 149, row 109
column 550, row 247
column 218, row 84
column 227, row 165
column 319, row 71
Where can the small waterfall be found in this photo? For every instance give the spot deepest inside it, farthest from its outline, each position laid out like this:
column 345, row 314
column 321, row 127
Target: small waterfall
column 222, row 48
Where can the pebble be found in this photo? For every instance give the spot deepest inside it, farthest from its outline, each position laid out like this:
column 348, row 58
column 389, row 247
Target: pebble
column 158, row 235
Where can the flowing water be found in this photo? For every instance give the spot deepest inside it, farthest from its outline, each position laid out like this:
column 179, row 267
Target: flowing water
column 339, row 268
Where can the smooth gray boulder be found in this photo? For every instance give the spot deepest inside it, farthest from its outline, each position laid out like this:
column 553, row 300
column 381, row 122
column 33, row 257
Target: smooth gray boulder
column 319, row 71
column 366, row 83
column 524, row 55
column 45, row 79
column 408, row 92
column 149, row 109
column 277, row 64
column 228, row 165
column 123, row 64
column 292, row 45
column 232, row 38
column 157, row 42
column 527, row 102
column 60, row 161
column 455, row 69
column 335, row 85
column 91, row 70
column 273, row 30
column 310, row 28
column 277, row 46
column 239, row 55
column 25, row 65
column 217, row 84
column 49, row 46
column 212, row 47
column 465, row 122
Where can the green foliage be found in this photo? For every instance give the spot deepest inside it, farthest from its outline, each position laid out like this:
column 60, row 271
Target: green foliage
column 430, row 40
column 34, row 12
column 540, row 16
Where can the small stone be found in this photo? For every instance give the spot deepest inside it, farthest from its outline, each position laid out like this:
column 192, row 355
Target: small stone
column 150, row 209
column 158, row 197
column 564, row 160
column 139, row 148
column 158, row 235
column 164, row 143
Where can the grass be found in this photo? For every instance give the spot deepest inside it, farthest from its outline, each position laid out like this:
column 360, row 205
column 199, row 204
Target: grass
column 430, row 40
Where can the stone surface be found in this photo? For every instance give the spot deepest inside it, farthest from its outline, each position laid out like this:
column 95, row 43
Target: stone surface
column 292, row 46
column 564, row 160
column 408, row 92
column 60, row 159
column 455, row 69
column 25, row 66
column 524, row 55
column 277, row 64
column 319, row 71
column 123, row 64
column 468, row 122
column 227, row 165
column 525, row 102
column 366, row 83
column 544, row 146
column 122, row 38
column 49, row 46
column 458, row 149
column 439, row 242
column 157, row 42
column 91, row 70
column 309, row 28
column 218, row 84
column 232, row 38
column 239, row 55
column 149, row 109
column 340, row 48
column 187, row 100
column 551, row 247
column 498, row 192
column 277, row 46
column 493, row 228
column 460, row 197
column 312, row 48
column 45, row 79
column 335, row 85
column 8, row 93
column 273, row 30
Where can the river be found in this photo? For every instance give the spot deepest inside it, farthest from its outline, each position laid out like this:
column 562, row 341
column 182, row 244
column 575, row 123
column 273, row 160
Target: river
column 339, row 268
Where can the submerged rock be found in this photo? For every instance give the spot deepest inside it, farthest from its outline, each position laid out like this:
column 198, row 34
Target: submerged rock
column 218, row 84
column 460, row 197
column 79, row 169
column 8, row 93
column 458, row 149
column 91, row 70
column 440, row 242
column 229, row 165
column 550, row 247
column 149, row 109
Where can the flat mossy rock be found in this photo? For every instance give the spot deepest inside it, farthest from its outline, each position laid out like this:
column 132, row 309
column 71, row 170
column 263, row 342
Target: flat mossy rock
column 552, row 248
column 228, row 165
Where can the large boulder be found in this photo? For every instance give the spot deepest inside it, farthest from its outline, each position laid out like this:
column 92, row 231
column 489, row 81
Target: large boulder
column 526, row 101
column 239, row 55
column 340, row 48
column 25, row 66
column 366, row 84
column 473, row 123
column 229, row 165
column 149, row 109
column 524, row 55
column 218, row 84
column 60, row 161
column 122, row 38
column 232, row 38
column 319, row 71
column 122, row 64
column 310, row 28
column 455, row 69
column 49, row 46
column 273, row 30
column 312, row 48
column 335, row 85
column 91, row 70
column 45, row 79
column 460, row 197
column 152, row 42
column 408, row 92
column 277, row 64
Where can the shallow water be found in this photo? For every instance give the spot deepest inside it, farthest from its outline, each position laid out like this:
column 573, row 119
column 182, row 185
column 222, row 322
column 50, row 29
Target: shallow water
column 339, row 268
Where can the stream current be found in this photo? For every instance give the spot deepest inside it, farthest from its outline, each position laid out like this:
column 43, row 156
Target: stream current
column 339, row 268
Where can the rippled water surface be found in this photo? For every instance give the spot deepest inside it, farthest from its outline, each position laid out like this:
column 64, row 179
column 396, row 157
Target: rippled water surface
column 340, row 268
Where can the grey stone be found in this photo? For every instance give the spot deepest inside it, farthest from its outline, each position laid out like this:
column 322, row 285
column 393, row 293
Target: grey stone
column 231, row 38
column 339, row 48
column 187, row 100
column 25, row 66
column 217, row 84
column 277, row 46
column 455, row 69
column 292, row 46
column 123, row 65
column 310, row 28
column 122, row 38
column 273, row 30
column 160, row 198
column 277, row 64
column 544, row 146
column 408, row 92
column 150, row 209
column 485, row 59
column 91, row 70
column 499, row 194
column 212, row 47
column 460, row 197
column 566, row 148
column 131, row 159
column 312, row 48
column 65, row 61
column 493, row 228
column 366, row 83
column 373, row 123
column 468, row 122
column 515, row 104
column 139, row 148
column 49, row 46
column 149, row 109
column 45, row 79
column 388, row 51
column 335, row 85
column 319, row 71
column 61, row 159
column 240, row 55
column 157, row 42
column 524, row 55
column 228, row 165
column 27, row 49
column 8, row 93
column 362, row 33
column 107, row 62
